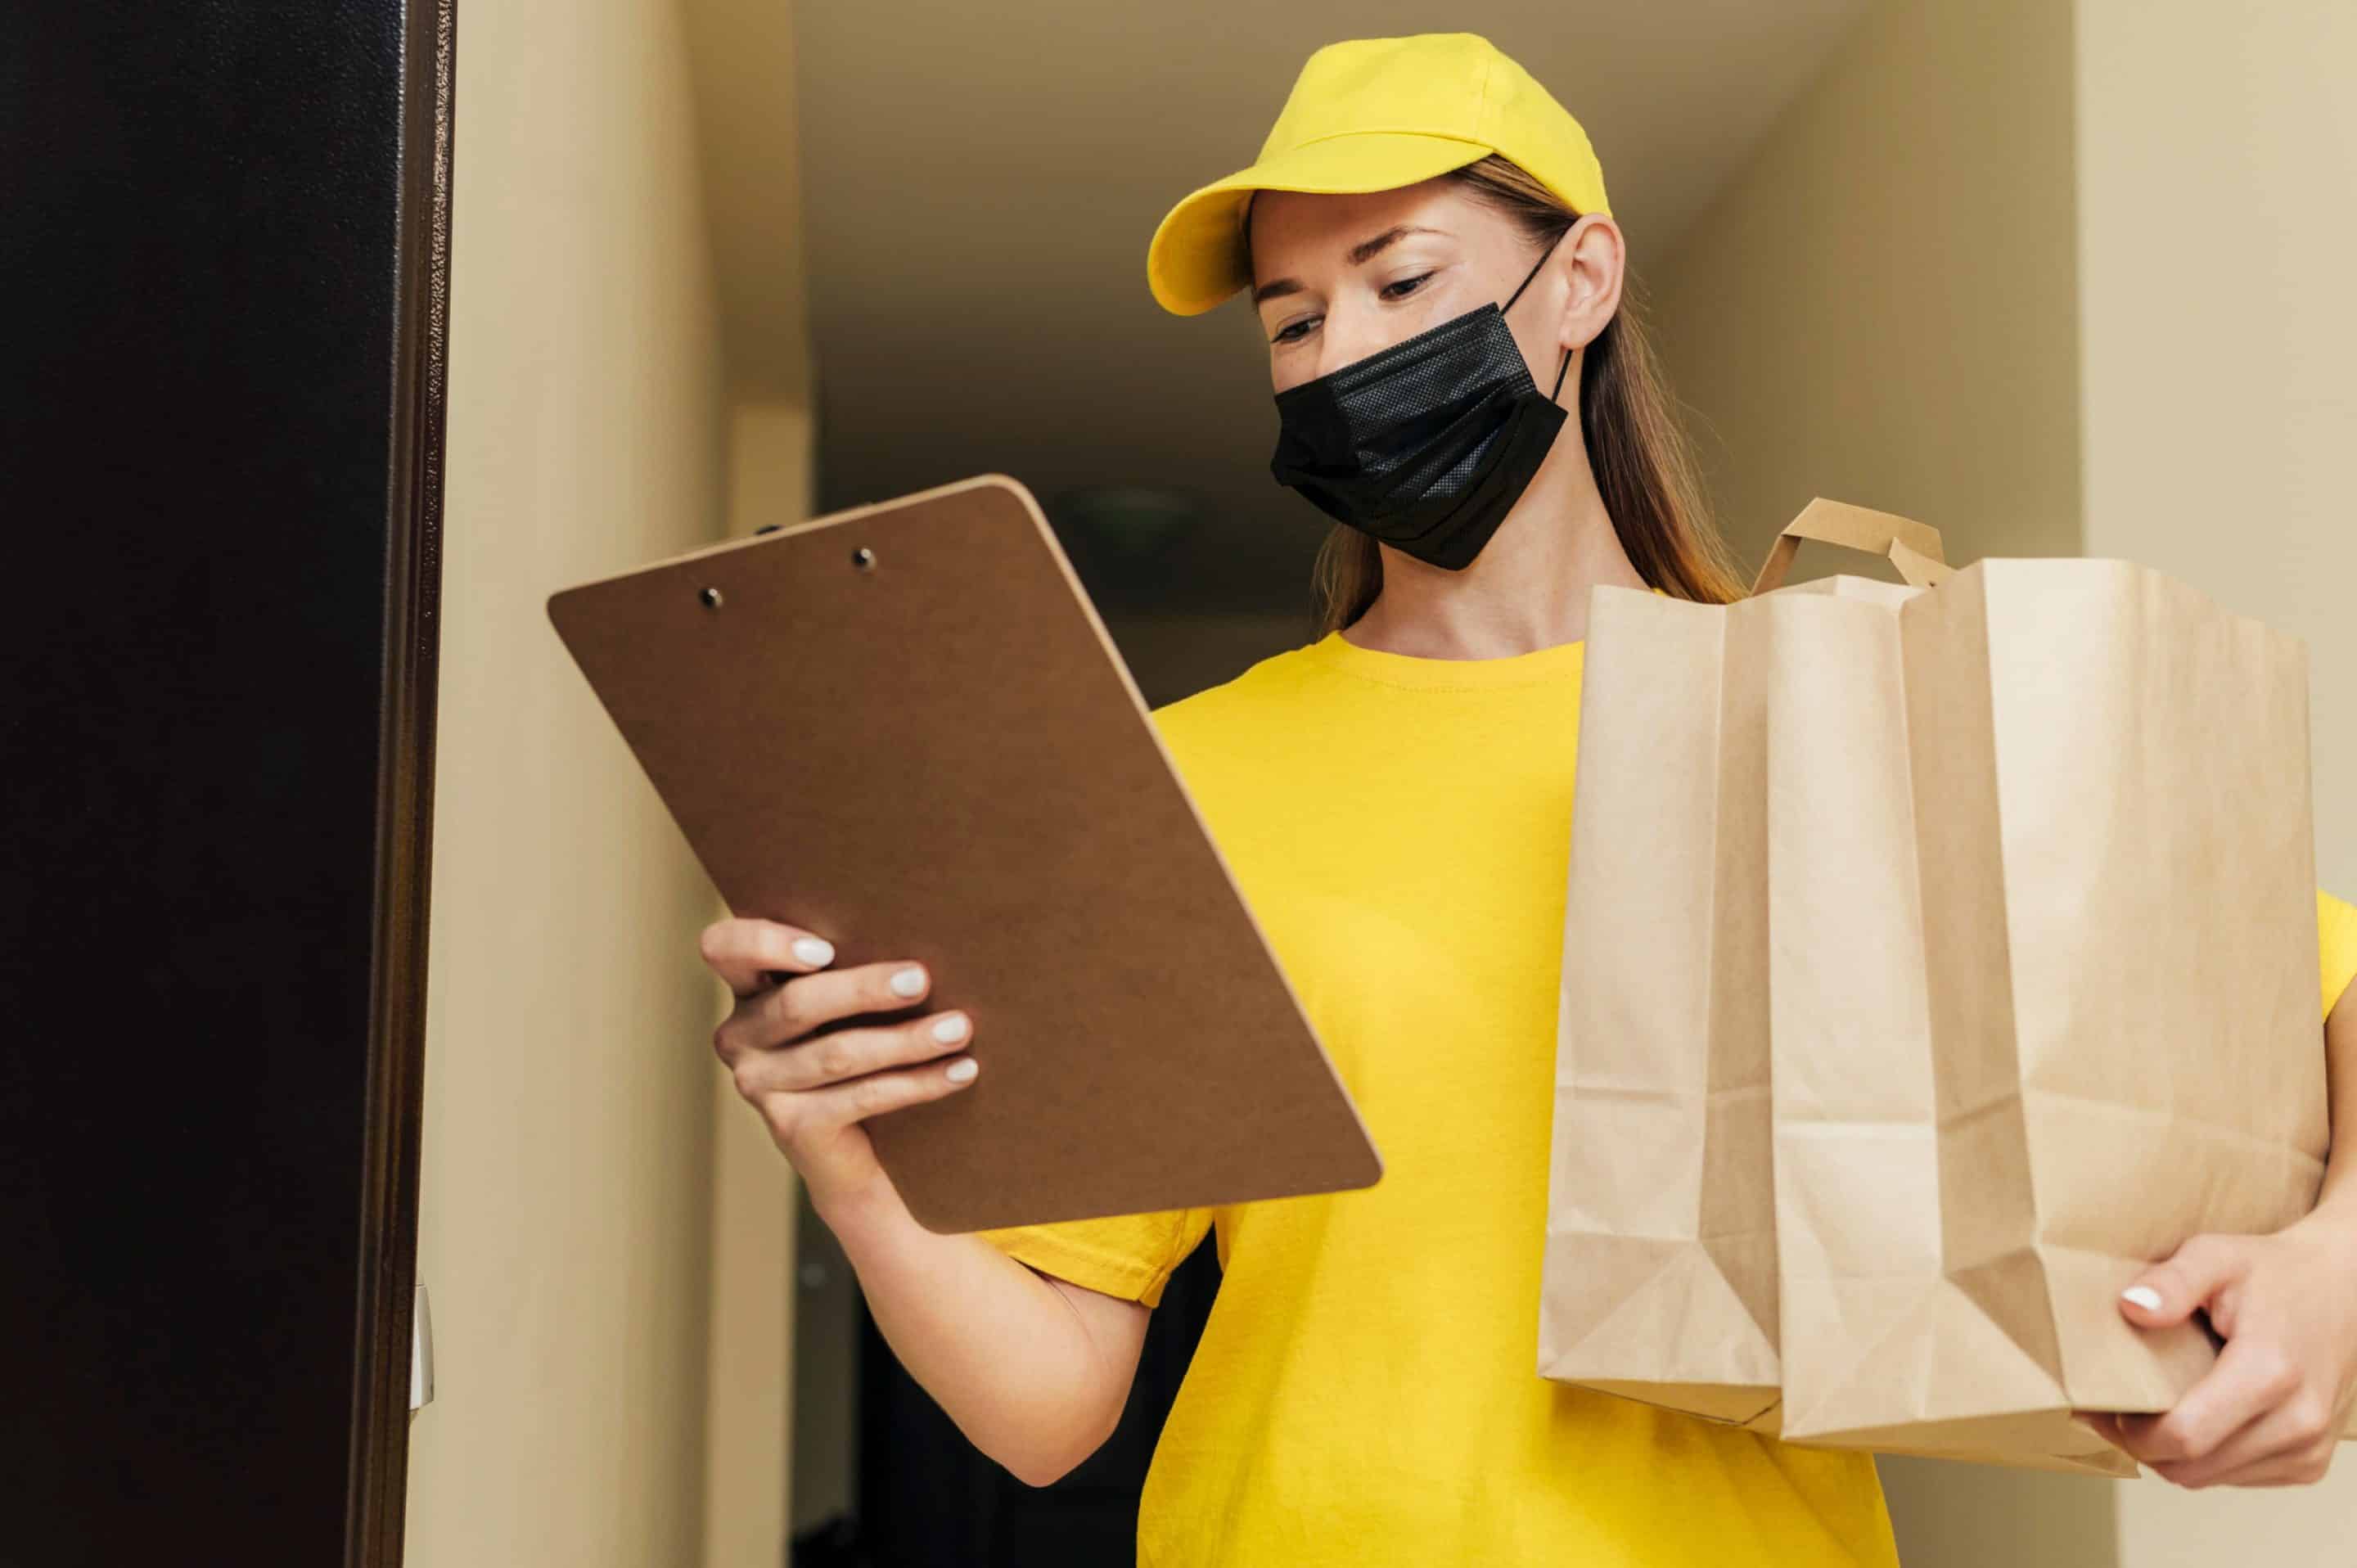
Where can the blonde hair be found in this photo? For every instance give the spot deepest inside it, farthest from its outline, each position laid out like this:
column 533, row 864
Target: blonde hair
column 1643, row 463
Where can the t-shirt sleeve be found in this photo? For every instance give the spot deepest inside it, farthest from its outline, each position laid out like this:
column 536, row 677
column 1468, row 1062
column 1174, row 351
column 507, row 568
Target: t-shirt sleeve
column 1128, row 1255
column 2337, row 923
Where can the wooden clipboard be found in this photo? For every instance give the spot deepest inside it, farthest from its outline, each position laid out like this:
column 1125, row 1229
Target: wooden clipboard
column 904, row 727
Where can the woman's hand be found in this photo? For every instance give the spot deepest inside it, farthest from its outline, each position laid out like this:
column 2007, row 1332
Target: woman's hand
column 813, row 1084
column 2270, row 1414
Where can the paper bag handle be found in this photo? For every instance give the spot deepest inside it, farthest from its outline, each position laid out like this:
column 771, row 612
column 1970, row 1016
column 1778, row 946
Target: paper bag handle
column 1913, row 547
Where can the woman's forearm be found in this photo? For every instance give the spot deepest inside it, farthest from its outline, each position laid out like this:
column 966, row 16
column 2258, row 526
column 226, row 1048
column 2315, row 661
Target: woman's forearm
column 1002, row 1351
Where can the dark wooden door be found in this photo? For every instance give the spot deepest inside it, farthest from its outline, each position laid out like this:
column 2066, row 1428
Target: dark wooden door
column 221, row 263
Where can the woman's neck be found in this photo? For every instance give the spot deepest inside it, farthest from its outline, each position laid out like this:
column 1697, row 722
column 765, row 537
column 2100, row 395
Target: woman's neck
column 1526, row 590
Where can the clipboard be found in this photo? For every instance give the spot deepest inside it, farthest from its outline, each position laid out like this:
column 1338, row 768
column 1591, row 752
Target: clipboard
column 904, row 727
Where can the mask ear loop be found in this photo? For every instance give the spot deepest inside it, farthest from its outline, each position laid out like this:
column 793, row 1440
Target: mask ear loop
column 1532, row 274
column 1564, row 368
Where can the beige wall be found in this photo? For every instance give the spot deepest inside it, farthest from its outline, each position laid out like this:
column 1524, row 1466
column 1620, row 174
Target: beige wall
column 2219, row 225
column 771, row 465
column 566, row 1232
column 1881, row 306
column 742, row 56
column 749, row 1362
column 2217, row 220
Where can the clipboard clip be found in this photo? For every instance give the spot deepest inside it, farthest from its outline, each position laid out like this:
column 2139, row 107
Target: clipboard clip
column 863, row 557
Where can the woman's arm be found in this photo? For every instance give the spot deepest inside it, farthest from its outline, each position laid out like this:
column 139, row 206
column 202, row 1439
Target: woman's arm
column 1034, row 1371
column 2272, row 1412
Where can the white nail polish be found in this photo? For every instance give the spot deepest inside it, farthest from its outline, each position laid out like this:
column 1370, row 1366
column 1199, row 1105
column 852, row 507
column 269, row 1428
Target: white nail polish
column 2144, row 1297
column 950, row 1028
column 813, row 949
column 961, row 1072
column 908, row 982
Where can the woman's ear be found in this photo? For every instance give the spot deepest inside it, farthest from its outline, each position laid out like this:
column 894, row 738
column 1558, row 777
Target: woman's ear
column 1594, row 261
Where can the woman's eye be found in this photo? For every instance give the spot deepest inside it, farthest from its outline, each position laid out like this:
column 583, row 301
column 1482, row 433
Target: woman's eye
column 1294, row 329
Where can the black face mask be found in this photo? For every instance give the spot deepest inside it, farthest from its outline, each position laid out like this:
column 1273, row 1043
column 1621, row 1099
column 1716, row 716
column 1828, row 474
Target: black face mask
column 1426, row 445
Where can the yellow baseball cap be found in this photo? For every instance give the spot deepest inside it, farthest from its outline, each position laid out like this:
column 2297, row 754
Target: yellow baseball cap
column 1375, row 114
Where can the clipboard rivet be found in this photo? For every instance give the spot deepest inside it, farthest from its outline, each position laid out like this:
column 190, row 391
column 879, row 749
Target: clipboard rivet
column 863, row 558
column 711, row 597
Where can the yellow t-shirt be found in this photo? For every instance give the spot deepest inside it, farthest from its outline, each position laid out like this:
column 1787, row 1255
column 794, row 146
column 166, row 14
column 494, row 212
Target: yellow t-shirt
column 1365, row 1393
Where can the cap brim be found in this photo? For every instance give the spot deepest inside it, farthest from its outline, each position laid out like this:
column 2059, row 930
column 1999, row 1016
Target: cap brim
column 1197, row 256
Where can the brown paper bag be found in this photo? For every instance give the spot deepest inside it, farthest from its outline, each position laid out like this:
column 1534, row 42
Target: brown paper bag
column 2042, row 998
column 1660, row 1269
column 1660, row 1266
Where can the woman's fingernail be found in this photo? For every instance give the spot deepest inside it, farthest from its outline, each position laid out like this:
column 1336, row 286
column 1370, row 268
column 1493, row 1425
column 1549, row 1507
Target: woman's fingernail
column 2144, row 1297
column 962, row 1071
column 908, row 982
column 813, row 949
column 950, row 1028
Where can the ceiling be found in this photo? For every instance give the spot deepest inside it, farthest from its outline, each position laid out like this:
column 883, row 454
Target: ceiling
column 976, row 185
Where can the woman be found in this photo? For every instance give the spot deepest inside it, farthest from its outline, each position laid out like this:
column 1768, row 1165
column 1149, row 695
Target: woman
column 1394, row 798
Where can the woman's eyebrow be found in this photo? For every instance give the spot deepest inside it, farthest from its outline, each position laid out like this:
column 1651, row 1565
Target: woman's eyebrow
column 1364, row 251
